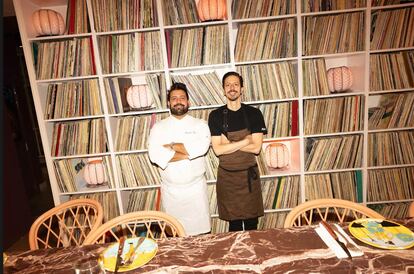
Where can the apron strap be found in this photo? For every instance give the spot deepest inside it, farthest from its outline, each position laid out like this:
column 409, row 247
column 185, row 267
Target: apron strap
column 246, row 120
column 225, row 121
column 251, row 175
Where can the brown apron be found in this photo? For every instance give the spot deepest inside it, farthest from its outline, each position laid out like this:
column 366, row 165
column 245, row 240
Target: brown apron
column 239, row 194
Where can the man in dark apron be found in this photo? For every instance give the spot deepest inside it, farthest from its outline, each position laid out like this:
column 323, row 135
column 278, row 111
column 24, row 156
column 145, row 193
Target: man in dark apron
column 237, row 135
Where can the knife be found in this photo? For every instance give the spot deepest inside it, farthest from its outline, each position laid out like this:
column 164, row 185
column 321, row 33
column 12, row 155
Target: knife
column 333, row 234
column 119, row 254
column 129, row 258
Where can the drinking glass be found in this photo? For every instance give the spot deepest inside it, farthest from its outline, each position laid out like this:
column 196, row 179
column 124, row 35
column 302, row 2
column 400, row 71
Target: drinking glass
column 91, row 266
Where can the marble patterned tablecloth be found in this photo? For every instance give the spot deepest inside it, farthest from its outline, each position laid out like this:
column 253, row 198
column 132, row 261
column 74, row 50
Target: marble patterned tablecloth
column 294, row 250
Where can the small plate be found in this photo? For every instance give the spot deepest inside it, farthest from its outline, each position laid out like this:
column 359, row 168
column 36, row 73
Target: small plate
column 382, row 233
column 146, row 251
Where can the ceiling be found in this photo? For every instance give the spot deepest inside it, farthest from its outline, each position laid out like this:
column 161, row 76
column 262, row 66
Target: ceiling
column 8, row 9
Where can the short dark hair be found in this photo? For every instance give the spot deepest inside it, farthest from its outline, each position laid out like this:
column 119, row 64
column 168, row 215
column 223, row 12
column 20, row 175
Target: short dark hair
column 232, row 73
column 177, row 86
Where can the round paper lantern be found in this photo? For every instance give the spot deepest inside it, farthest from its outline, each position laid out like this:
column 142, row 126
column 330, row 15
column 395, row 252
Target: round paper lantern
column 139, row 97
column 48, row 22
column 209, row 10
column 277, row 155
column 339, row 79
column 94, row 172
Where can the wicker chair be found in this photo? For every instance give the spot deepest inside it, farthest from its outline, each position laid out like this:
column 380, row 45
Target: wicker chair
column 66, row 224
column 331, row 210
column 152, row 224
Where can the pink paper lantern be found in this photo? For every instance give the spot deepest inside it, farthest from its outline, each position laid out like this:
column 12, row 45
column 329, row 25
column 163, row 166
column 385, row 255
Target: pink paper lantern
column 139, row 97
column 95, row 173
column 209, row 10
column 48, row 22
column 339, row 79
column 277, row 155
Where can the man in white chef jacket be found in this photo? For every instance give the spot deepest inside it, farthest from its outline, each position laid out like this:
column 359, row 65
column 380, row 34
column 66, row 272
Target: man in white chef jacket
column 177, row 145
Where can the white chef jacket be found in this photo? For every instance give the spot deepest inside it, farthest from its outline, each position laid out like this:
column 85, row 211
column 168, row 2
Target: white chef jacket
column 183, row 186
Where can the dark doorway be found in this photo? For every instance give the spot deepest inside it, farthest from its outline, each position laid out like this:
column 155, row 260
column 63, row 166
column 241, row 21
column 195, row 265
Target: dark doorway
column 26, row 187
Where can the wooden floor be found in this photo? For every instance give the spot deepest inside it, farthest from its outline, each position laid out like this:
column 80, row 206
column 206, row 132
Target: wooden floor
column 21, row 245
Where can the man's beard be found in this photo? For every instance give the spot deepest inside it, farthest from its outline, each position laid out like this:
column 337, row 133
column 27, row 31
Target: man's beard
column 179, row 111
column 233, row 97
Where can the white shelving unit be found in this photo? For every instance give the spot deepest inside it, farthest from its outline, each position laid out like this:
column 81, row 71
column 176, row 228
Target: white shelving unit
column 357, row 61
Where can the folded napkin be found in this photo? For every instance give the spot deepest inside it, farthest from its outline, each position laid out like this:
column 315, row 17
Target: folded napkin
column 333, row 244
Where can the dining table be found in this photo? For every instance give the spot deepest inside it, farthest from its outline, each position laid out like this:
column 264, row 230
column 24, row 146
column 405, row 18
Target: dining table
column 278, row 250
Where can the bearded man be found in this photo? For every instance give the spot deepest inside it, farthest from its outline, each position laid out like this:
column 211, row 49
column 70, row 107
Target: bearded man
column 177, row 145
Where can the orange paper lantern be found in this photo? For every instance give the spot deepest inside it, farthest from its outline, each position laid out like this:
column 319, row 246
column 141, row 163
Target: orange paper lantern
column 209, row 10
column 95, row 173
column 48, row 22
column 339, row 79
column 139, row 97
column 277, row 155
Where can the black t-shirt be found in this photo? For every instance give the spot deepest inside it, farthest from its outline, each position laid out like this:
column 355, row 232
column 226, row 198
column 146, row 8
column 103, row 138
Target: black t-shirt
column 236, row 120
